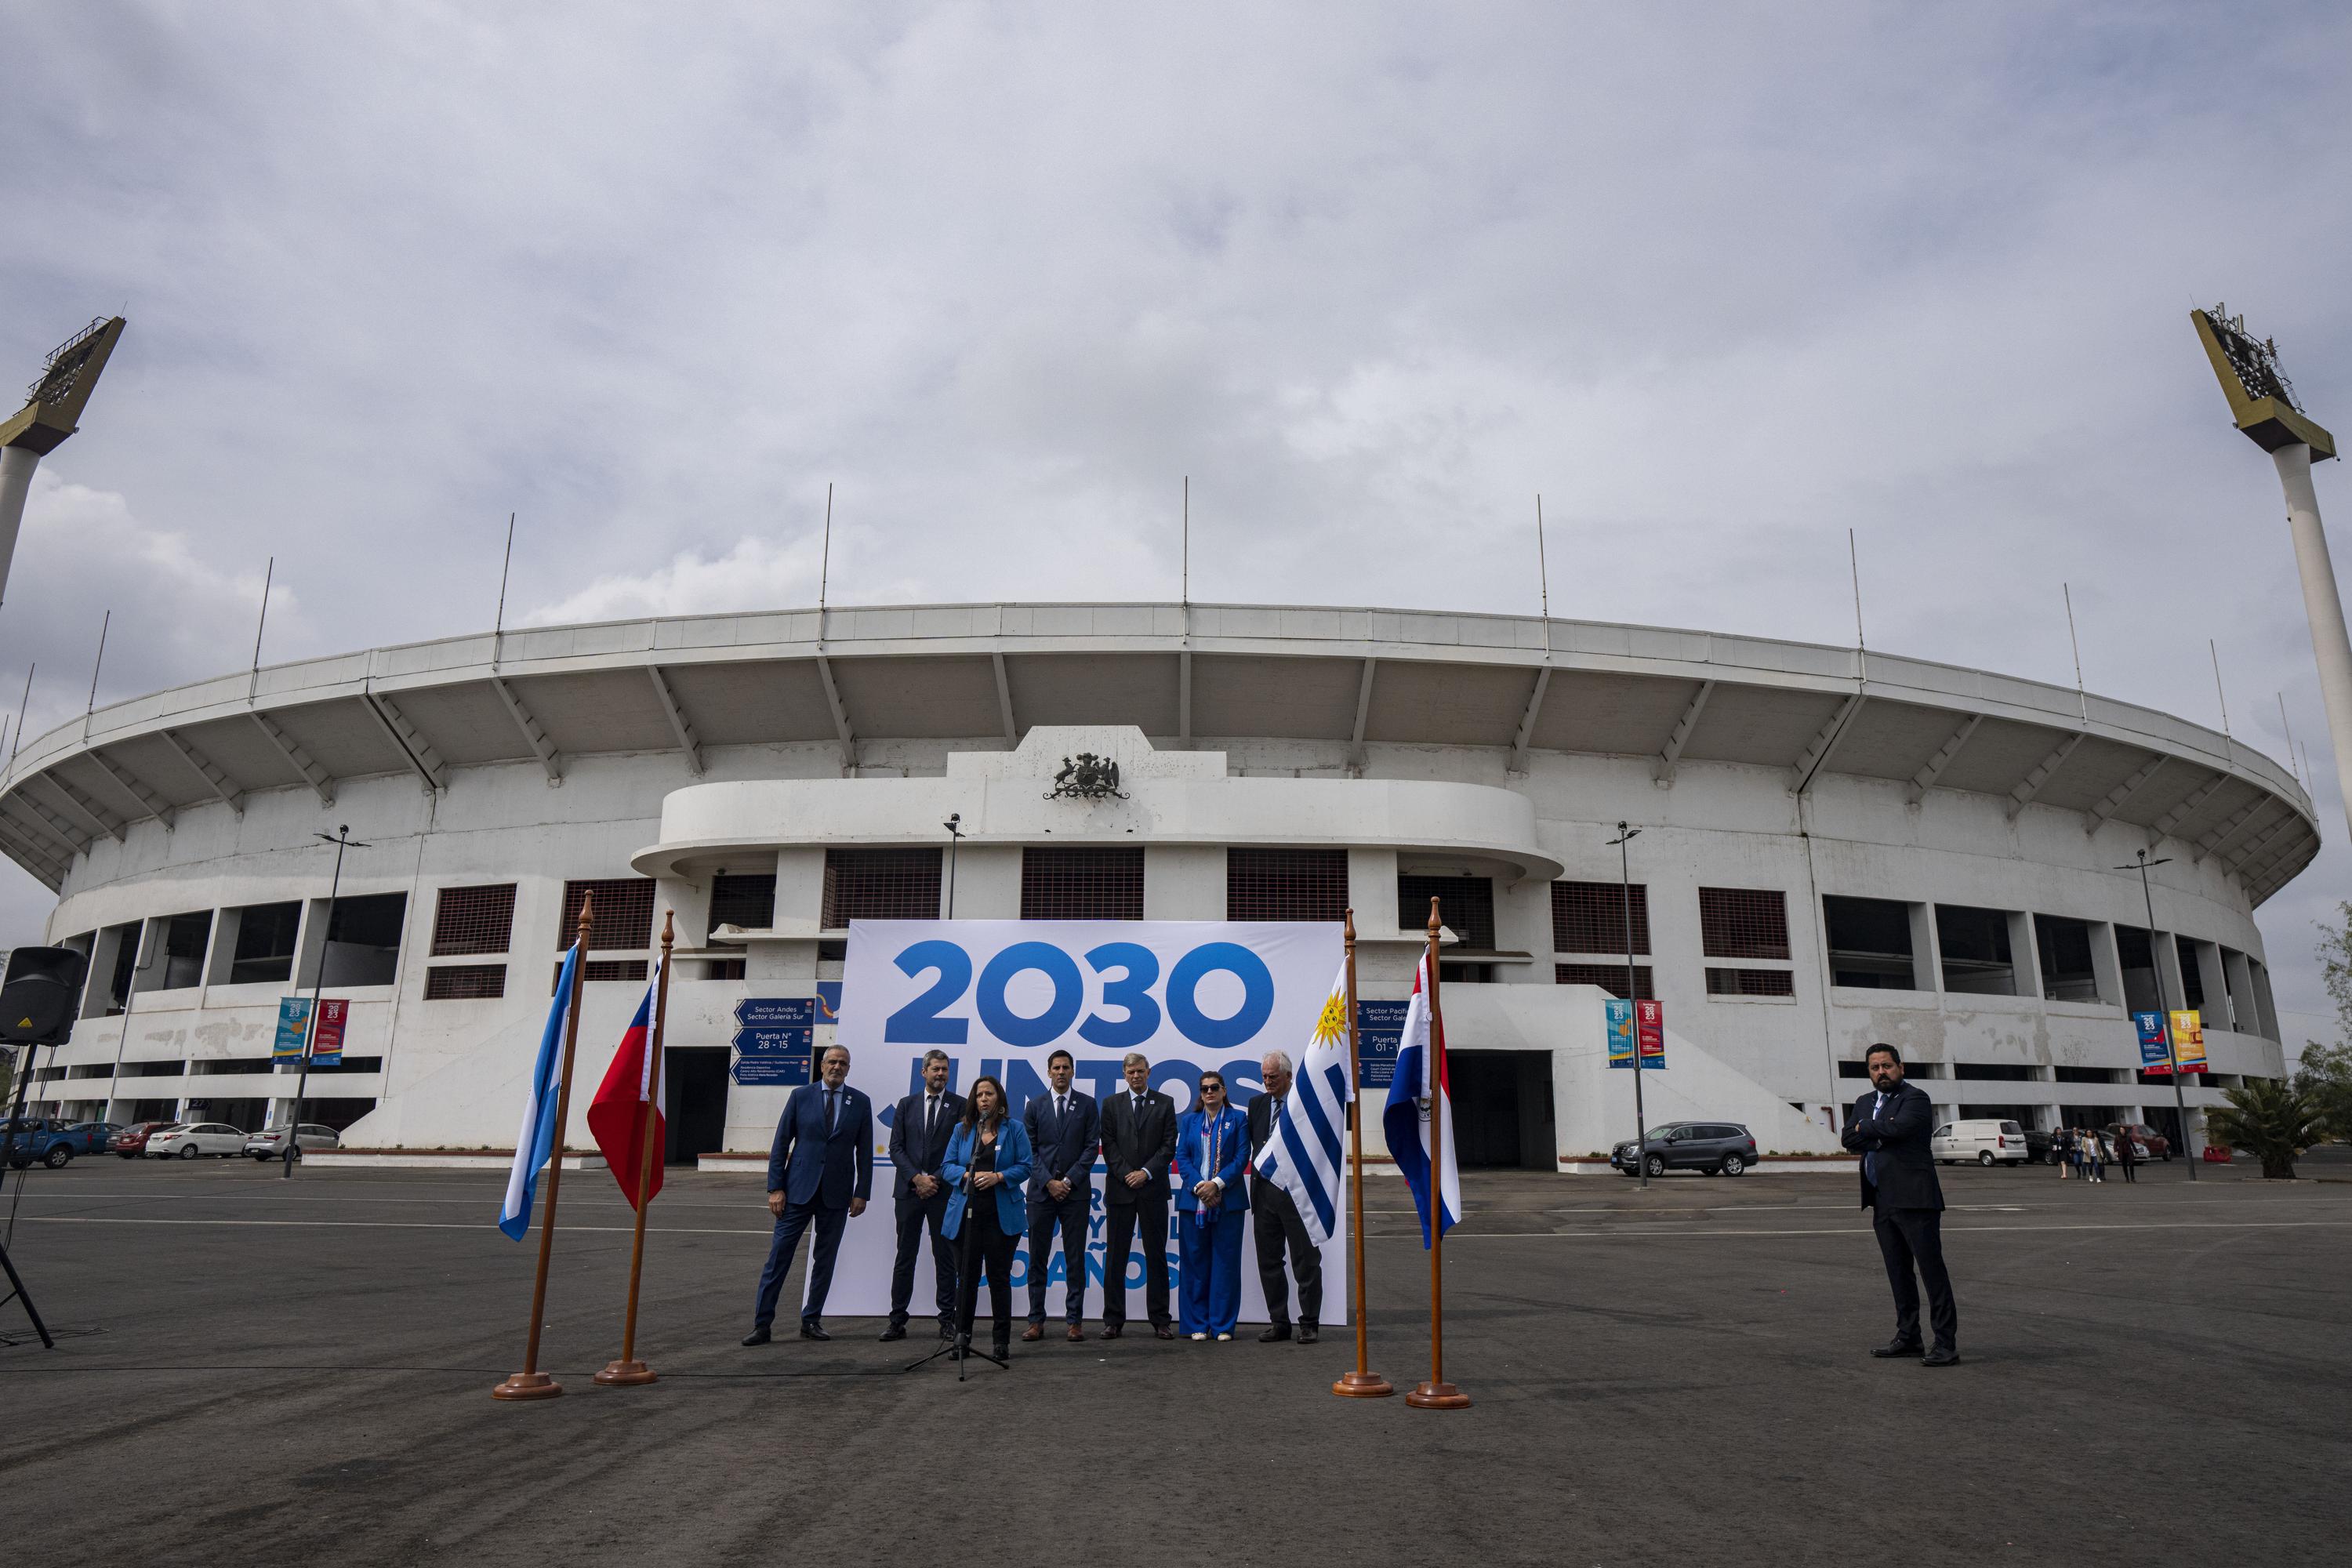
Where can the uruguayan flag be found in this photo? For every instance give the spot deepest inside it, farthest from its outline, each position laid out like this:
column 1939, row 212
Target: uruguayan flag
column 537, row 1138
column 1302, row 1149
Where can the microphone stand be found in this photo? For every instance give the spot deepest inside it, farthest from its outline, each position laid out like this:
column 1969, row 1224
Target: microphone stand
column 961, row 1346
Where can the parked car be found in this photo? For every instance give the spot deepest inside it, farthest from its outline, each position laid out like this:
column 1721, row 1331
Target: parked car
column 131, row 1141
column 189, row 1138
column 1986, row 1142
column 1719, row 1148
column 271, row 1141
column 2153, row 1145
column 2040, row 1147
column 53, row 1143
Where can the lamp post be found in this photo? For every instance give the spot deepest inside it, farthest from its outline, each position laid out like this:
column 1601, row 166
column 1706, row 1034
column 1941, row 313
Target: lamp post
column 954, row 825
column 342, row 839
column 2180, row 1096
column 1625, row 895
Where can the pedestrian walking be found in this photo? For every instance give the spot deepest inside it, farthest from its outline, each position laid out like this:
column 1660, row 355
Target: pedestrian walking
column 2062, row 1151
column 2095, row 1155
column 2128, row 1156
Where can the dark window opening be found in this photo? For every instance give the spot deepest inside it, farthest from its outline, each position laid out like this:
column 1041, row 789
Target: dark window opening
column 1610, row 977
column 1082, row 883
column 744, row 899
column 622, row 915
column 469, row 921
column 465, row 982
column 1993, row 1072
column 2193, row 974
column 1743, row 922
column 1751, row 983
column 1870, row 943
column 151, row 1069
column 2065, row 950
column 2088, row 1075
column 1589, row 917
column 264, row 943
column 126, row 964
column 597, row 968
column 2136, row 954
column 182, row 962
column 1286, row 885
column 889, row 885
column 1466, row 906
column 1974, row 945
column 363, row 940
column 1854, row 1069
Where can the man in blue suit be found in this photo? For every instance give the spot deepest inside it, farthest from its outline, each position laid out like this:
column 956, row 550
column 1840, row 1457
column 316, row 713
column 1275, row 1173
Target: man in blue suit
column 1890, row 1128
column 1064, row 1130
column 820, row 1169
column 918, row 1144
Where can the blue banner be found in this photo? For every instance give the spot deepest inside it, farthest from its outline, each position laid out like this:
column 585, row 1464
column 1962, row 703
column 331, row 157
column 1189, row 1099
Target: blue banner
column 293, row 1028
column 2154, row 1054
column 776, row 1012
column 794, row 1040
column 772, row 1072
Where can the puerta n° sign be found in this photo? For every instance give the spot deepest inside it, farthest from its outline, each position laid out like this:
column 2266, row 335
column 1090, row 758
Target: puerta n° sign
column 923, row 1020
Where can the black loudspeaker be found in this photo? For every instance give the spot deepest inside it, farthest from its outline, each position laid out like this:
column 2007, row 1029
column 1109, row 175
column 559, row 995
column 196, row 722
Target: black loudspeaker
column 41, row 996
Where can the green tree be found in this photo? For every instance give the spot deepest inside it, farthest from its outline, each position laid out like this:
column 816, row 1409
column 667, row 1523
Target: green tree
column 2326, row 1080
column 2273, row 1119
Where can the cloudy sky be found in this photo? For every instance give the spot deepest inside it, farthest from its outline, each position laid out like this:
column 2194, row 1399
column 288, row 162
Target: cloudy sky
column 1720, row 284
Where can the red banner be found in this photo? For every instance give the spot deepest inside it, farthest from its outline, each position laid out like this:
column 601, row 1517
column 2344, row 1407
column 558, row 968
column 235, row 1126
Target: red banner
column 1650, row 1030
column 326, row 1033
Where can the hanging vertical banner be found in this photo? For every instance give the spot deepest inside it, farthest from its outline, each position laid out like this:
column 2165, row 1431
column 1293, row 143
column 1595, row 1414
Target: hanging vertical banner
column 327, row 1039
column 293, row 1028
column 2155, row 1055
column 1619, row 1018
column 2188, row 1040
column 1650, row 1027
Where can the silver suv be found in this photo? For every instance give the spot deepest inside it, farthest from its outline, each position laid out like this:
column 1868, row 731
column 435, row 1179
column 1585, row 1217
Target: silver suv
column 1719, row 1148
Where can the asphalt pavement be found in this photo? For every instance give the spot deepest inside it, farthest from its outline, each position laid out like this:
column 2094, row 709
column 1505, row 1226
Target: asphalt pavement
column 256, row 1369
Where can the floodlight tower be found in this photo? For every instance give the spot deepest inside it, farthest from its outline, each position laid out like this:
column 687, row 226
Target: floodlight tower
column 47, row 419
column 2264, row 405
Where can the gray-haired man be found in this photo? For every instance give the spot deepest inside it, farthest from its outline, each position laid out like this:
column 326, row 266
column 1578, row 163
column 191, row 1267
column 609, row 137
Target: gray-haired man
column 1274, row 1218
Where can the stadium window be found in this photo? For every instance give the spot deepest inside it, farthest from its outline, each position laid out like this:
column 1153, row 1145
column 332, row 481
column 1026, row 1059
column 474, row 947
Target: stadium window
column 2193, row 974
column 2136, row 954
column 363, row 940
column 1082, row 883
column 465, row 982
column 1743, row 922
column 476, row 919
column 1466, row 906
column 2064, row 946
column 181, row 963
column 1869, row 944
column 263, row 949
column 880, row 885
column 597, row 968
column 1974, row 946
column 623, row 913
column 1285, row 884
column 1610, row 977
column 1996, row 1072
column 1854, row 1069
column 1589, row 917
column 743, row 899
column 1751, row 983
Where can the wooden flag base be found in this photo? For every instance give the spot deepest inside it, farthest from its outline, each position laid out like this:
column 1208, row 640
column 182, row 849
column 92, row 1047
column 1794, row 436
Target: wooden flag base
column 624, row 1375
column 528, row 1385
column 1362, row 1386
column 1437, row 1396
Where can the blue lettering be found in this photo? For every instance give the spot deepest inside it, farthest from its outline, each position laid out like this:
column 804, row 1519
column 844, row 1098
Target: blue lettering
column 918, row 1022
column 1184, row 980
column 997, row 1016
column 1139, row 970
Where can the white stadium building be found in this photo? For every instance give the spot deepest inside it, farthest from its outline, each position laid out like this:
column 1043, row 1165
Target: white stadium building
column 1834, row 849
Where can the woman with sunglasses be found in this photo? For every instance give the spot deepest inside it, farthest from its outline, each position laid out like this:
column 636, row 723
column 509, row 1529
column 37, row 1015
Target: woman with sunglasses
column 1212, row 1211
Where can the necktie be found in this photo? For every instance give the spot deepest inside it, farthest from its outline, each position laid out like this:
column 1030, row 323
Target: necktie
column 931, row 1115
column 1060, row 1108
column 1870, row 1156
column 832, row 1108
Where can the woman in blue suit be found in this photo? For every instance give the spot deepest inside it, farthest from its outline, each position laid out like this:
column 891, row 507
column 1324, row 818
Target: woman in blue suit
column 1213, row 1210
column 988, row 1160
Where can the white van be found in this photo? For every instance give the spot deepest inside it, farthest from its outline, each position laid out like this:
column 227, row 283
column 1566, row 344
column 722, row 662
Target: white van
column 1986, row 1142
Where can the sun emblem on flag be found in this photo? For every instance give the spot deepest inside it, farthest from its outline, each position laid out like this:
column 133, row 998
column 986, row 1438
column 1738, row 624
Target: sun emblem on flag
column 1333, row 1026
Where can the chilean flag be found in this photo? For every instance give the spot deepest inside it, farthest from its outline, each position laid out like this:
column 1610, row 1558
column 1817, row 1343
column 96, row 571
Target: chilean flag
column 1408, row 1119
column 617, row 1116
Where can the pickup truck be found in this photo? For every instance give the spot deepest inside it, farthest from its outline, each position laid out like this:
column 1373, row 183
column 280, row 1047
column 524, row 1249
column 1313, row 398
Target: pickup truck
column 53, row 1143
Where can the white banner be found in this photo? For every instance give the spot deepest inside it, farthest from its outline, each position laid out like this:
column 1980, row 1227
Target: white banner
column 999, row 997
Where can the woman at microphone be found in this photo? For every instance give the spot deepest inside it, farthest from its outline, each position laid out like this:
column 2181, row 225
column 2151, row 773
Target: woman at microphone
column 1213, row 1210
column 987, row 1161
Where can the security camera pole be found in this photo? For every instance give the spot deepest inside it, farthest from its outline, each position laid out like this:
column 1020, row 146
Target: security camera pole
column 49, row 416
column 2264, row 405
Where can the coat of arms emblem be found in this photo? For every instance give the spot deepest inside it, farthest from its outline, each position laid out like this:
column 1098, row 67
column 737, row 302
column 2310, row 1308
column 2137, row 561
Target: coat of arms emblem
column 1086, row 777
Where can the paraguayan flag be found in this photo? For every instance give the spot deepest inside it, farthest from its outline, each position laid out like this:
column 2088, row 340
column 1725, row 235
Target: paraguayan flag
column 1302, row 1149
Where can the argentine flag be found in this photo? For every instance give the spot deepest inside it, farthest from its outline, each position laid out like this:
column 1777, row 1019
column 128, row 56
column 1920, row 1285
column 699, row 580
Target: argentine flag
column 1301, row 1155
column 1413, row 1105
column 536, row 1137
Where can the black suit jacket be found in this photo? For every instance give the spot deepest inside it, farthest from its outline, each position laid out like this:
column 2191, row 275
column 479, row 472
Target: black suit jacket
column 1899, row 1136
column 1131, row 1142
column 910, row 1151
column 1063, row 1146
column 1261, row 1127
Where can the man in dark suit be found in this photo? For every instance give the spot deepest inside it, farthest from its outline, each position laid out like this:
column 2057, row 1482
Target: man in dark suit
column 1064, row 1130
column 1889, row 1128
column 1275, row 1222
column 919, row 1130
column 1138, row 1145
column 820, row 1170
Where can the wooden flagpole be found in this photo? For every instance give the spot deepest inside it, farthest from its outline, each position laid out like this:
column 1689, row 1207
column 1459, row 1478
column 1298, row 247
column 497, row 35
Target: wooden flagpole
column 530, row 1382
column 1360, row 1383
column 629, row 1372
column 1436, row 1394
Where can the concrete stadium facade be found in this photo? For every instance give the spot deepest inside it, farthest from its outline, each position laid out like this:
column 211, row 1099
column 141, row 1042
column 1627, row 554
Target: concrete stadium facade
column 1834, row 850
